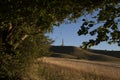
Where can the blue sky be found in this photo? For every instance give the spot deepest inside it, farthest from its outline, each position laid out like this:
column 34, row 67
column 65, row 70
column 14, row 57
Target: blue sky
column 68, row 32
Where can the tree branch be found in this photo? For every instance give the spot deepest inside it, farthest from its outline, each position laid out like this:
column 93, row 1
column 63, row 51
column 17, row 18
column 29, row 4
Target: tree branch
column 20, row 41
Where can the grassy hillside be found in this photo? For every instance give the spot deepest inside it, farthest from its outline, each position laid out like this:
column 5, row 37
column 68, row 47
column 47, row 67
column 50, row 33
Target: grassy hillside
column 74, row 69
column 59, row 55
column 105, row 52
column 79, row 53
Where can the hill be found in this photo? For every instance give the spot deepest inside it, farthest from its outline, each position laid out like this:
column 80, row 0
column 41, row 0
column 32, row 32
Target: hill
column 74, row 69
column 79, row 53
column 106, row 52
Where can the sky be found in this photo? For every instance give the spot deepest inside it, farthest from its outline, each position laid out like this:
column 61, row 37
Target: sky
column 68, row 33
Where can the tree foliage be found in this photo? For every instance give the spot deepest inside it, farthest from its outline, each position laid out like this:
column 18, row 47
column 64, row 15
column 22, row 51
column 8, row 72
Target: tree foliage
column 109, row 31
column 22, row 20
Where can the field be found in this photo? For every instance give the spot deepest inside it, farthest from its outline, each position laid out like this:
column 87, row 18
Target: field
column 73, row 69
column 73, row 63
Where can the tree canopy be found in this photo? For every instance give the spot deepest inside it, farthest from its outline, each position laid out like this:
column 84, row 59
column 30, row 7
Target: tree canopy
column 109, row 31
column 23, row 24
column 21, row 18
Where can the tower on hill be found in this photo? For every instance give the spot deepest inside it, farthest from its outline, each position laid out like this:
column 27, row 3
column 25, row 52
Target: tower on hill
column 62, row 43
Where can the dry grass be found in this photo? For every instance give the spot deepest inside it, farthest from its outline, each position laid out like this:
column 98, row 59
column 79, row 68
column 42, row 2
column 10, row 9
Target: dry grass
column 31, row 72
column 71, row 69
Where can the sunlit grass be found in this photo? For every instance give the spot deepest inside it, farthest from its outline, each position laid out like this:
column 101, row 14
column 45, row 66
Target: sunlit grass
column 67, row 69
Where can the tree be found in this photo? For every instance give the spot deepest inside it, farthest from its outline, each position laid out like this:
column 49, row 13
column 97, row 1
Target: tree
column 109, row 31
column 21, row 20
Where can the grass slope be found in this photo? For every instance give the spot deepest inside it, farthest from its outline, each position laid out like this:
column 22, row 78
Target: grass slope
column 74, row 69
column 75, row 52
column 105, row 52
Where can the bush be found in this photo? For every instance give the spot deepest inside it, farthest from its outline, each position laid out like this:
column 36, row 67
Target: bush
column 13, row 63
